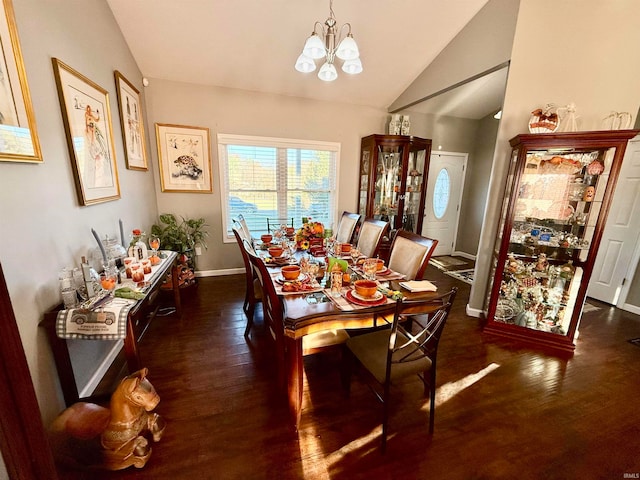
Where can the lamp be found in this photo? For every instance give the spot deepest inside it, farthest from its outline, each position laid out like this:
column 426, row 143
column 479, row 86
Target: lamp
column 315, row 49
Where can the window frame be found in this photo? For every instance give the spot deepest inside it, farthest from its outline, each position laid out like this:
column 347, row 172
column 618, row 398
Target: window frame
column 225, row 139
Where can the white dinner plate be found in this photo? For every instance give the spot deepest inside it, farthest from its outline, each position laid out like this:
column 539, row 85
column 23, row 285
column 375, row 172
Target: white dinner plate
column 301, row 278
column 376, row 296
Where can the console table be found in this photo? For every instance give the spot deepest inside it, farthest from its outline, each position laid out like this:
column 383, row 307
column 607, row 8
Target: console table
column 138, row 320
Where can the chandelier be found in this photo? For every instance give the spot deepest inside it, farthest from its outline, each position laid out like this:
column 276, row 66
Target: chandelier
column 315, row 48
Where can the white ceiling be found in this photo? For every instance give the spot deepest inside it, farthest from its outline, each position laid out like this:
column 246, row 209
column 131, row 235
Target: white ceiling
column 253, row 44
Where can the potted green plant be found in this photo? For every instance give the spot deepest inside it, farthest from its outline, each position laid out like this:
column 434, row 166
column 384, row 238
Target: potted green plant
column 182, row 236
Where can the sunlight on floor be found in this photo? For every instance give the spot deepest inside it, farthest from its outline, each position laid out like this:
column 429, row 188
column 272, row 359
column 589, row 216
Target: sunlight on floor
column 449, row 390
column 314, row 466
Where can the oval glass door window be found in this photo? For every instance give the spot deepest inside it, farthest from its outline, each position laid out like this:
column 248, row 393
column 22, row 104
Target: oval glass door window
column 441, row 193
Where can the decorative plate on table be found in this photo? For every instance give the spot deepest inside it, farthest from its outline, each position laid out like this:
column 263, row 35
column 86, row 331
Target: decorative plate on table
column 386, row 271
column 302, row 278
column 280, row 261
column 377, row 299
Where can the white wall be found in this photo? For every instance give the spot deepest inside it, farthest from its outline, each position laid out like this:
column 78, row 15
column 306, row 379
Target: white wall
column 231, row 111
column 43, row 229
column 583, row 52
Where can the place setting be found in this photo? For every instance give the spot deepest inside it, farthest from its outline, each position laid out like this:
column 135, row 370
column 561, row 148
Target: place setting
column 290, row 280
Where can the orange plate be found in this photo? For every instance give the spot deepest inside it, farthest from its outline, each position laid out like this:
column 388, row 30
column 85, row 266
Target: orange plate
column 372, row 303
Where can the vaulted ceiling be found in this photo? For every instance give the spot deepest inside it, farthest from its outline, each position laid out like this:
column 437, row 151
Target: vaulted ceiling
column 253, row 44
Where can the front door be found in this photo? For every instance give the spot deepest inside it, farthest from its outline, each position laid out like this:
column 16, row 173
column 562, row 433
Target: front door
column 442, row 203
column 613, row 262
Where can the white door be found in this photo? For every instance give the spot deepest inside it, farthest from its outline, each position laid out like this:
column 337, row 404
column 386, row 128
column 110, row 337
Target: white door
column 442, row 203
column 613, row 262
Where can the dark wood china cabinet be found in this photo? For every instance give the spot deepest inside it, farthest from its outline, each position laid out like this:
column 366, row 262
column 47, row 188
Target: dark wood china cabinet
column 558, row 191
column 393, row 179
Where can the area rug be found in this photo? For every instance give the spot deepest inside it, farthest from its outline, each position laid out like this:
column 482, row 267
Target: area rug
column 589, row 308
column 463, row 275
column 445, row 261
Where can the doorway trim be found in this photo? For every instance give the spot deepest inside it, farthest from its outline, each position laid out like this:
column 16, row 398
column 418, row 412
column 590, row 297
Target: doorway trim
column 428, row 200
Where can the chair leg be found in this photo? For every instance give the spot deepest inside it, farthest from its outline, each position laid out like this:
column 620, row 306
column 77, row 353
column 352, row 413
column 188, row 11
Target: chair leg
column 385, row 417
column 249, row 311
column 432, row 407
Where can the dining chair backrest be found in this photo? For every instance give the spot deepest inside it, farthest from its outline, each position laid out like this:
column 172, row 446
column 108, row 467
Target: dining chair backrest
column 405, row 347
column 410, row 254
column 347, row 227
column 241, row 223
column 272, row 309
column 253, row 292
column 274, row 224
column 371, row 233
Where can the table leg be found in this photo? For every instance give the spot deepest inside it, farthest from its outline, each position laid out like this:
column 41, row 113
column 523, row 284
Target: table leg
column 176, row 290
column 295, row 366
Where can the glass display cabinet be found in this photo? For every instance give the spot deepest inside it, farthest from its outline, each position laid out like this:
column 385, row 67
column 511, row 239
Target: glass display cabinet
column 559, row 188
column 393, row 178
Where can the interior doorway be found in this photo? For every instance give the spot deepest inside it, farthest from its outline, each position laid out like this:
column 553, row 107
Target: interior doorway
column 443, row 199
column 617, row 256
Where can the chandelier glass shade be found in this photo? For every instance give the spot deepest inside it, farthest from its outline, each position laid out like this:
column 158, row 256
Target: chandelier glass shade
column 326, row 42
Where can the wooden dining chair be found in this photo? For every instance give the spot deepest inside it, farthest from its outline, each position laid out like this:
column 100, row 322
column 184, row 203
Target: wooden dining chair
column 273, row 312
column 371, row 233
column 347, row 227
column 394, row 353
column 410, row 254
column 253, row 294
column 312, row 343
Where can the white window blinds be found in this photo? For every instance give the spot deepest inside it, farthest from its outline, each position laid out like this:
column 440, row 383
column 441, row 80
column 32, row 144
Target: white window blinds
column 277, row 179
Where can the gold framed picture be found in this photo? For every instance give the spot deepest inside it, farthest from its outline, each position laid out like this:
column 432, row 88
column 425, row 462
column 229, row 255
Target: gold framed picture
column 183, row 155
column 131, row 121
column 87, row 122
column 18, row 135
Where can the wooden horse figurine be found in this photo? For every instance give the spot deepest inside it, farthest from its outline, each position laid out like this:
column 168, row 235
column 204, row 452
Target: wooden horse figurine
column 120, row 429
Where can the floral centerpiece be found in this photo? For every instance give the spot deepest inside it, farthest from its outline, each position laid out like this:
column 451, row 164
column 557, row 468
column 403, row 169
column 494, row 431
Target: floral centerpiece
column 308, row 232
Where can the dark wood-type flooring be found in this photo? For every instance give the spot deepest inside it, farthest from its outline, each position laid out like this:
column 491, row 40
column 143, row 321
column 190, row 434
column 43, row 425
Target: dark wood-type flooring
column 504, row 410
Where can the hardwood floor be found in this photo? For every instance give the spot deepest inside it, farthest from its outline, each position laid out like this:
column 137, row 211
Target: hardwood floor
column 504, row 410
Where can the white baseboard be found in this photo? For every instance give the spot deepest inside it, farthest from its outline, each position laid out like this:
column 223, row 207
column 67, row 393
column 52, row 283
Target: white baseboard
column 463, row 255
column 101, row 371
column 219, row 273
column 474, row 312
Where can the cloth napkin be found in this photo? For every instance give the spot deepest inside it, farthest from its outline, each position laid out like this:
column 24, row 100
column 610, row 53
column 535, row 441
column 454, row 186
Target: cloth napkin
column 419, row 286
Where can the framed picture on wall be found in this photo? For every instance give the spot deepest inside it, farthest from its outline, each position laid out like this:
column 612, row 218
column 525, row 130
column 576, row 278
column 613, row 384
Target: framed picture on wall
column 131, row 120
column 18, row 134
column 183, row 154
column 87, row 122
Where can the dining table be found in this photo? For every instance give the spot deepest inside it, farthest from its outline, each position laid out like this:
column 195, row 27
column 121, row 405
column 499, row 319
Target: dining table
column 317, row 311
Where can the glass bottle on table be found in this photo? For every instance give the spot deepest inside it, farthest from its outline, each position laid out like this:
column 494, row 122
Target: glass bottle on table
column 336, row 281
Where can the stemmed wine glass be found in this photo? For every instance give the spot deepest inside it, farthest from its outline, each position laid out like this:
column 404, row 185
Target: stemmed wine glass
column 355, row 254
column 154, row 243
column 109, row 278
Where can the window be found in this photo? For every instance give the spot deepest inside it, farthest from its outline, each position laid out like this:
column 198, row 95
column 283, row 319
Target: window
column 277, row 179
column 441, row 194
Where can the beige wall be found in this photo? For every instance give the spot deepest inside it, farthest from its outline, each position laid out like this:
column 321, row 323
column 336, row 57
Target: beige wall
column 476, row 186
column 230, row 111
column 43, row 228
column 483, row 44
column 599, row 72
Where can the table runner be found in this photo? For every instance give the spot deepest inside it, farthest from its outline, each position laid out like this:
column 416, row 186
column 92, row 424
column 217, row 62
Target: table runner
column 108, row 320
